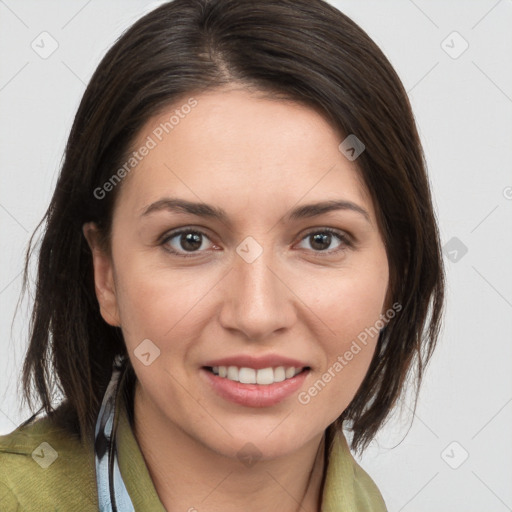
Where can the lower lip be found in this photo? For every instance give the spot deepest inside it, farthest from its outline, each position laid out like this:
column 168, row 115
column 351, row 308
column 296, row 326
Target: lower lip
column 254, row 395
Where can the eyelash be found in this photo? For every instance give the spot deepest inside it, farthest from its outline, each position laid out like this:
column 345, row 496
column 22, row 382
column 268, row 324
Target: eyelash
column 344, row 239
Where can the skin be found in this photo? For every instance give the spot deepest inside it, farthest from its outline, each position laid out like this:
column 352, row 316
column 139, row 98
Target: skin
column 257, row 159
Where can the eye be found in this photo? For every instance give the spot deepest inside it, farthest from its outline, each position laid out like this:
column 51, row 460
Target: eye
column 185, row 241
column 321, row 239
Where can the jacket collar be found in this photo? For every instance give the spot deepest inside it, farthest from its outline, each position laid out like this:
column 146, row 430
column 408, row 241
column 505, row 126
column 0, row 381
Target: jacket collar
column 346, row 486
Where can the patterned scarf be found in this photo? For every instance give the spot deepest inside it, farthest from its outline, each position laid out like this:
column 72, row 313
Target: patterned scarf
column 112, row 493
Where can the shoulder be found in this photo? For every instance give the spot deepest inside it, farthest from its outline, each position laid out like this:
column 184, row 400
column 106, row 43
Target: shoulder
column 44, row 466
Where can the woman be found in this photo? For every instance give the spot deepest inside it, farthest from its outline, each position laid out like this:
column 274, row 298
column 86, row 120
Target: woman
column 240, row 259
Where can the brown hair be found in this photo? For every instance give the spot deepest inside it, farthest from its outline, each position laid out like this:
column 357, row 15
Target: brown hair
column 304, row 50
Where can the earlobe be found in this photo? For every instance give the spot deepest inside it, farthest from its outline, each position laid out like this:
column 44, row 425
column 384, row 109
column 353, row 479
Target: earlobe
column 104, row 284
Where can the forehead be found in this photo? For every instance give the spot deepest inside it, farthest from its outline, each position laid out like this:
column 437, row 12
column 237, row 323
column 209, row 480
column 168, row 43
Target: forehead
column 237, row 147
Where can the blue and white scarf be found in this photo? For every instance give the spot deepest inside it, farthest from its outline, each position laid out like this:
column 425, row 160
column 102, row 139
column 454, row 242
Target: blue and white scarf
column 112, row 493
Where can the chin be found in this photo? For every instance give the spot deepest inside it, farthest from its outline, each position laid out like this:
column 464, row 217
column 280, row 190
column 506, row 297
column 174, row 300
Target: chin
column 263, row 440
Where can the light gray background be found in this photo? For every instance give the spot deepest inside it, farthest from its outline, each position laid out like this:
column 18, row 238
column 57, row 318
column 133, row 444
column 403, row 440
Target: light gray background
column 463, row 108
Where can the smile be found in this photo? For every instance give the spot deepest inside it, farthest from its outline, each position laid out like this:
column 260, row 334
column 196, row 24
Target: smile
column 251, row 387
column 262, row 376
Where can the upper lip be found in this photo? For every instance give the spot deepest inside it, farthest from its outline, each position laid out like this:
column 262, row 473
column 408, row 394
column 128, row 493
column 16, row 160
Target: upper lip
column 257, row 362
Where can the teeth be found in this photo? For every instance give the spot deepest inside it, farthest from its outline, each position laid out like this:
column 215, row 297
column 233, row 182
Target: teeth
column 247, row 375
column 232, row 373
column 290, row 372
column 263, row 376
column 279, row 374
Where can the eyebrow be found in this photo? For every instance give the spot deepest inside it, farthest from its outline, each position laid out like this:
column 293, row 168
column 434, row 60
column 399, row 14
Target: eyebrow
column 314, row 209
column 205, row 210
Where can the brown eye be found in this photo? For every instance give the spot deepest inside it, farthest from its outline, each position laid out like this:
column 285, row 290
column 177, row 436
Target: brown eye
column 185, row 241
column 323, row 241
column 320, row 241
column 190, row 241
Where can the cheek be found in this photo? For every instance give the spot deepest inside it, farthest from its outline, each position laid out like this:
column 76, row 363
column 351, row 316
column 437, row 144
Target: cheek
column 347, row 358
column 351, row 306
column 350, row 300
column 156, row 302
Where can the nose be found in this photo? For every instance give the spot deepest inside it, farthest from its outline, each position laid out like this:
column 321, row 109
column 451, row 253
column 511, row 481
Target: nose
column 257, row 301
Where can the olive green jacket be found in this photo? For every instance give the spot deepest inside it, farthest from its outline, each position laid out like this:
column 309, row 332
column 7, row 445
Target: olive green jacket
column 44, row 468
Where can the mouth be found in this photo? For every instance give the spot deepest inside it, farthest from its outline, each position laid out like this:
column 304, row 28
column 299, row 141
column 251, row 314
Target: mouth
column 259, row 376
column 254, row 387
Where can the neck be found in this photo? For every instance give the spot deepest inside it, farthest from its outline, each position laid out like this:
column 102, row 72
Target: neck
column 189, row 476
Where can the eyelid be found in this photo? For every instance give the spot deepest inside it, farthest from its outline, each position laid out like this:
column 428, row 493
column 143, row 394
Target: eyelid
column 334, row 231
column 178, row 231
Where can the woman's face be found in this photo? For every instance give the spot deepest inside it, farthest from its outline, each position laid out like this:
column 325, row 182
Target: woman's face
column 220, row 259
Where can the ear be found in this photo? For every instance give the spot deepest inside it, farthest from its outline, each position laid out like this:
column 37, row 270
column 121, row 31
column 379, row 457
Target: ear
column 103, row 275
